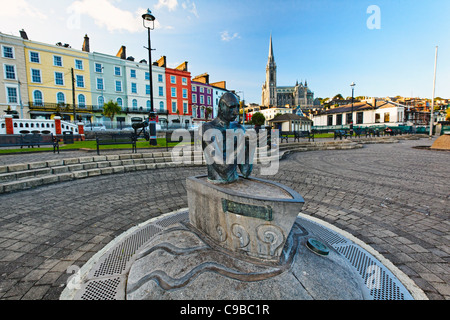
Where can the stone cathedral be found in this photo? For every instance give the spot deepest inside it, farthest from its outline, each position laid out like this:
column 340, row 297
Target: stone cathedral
column 273, row 96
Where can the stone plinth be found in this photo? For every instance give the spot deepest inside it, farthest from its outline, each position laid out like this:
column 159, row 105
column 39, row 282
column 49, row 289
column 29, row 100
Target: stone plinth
column 251, row 216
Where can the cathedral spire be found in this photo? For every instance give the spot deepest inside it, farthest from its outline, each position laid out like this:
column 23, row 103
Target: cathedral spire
column 271, row 58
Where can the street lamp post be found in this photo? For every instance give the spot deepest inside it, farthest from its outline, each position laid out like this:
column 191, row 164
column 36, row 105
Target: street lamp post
column 149, row 23
column 243, row 106
column 351, row 116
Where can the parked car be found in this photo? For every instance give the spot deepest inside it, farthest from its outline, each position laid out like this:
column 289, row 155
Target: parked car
column 94, row 127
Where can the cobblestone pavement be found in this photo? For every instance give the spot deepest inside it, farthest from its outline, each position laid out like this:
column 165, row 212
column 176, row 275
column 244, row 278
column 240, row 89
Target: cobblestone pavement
column 391, row 196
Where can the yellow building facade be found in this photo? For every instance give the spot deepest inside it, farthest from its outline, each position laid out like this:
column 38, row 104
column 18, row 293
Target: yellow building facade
column 51, row 70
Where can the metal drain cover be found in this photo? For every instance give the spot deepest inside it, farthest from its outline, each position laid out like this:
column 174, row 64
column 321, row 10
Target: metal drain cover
column 317, row 247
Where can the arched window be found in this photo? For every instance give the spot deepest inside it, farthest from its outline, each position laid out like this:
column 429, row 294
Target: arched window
column 81, row 101
column 161, row 106
column 120, row 102
column 37, row 98
column 134, row 102
column 100, row 101
column 60, row 98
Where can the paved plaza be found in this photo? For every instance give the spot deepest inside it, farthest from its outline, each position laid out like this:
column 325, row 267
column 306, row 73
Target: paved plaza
column 392, row 196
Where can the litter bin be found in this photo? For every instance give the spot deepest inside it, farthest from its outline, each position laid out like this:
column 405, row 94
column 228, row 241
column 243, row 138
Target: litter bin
column 68, row 138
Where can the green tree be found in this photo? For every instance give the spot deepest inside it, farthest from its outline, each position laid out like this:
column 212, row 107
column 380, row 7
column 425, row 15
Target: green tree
column 338, row 97
column 258, row 119
column 110, row 109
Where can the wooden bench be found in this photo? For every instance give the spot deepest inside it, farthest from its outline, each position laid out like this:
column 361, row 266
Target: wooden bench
column 359, row 132
column 303, row 134
column 372, row 133
column 284, row 135
column 29, row 140
column 116, row 138
column 341, row 133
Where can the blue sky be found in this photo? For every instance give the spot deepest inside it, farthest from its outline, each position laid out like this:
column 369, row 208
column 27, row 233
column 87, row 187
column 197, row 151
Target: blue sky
column 326, row 42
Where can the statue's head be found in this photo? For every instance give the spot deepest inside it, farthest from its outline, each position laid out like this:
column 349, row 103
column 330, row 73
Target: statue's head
column 228, row 107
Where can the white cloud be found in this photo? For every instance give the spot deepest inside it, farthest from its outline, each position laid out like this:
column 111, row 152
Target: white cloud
column 190, row 7
column 105, row 14
column 170, row 4
column 20, row 8
column 225, row 36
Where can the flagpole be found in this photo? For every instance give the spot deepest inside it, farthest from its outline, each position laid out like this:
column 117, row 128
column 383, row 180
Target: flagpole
column 434, row 87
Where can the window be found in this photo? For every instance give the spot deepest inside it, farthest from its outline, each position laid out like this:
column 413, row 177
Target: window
column 80, row 81
column 120, row 102
column 209, row 99
column 148, row 105
column 10, row 72
column 118, row 86
column 37, row 98
column 202, row 89
column 147, row 76
column 134, row 103
column 185, row 107
column 209, row 91
column 386, row 117
column 338, row 119
column 57, row 61
column 12, row 94
column 202, row 99
column 34, row 57
column 59, row 78
column 161, row 106
column 133, row 87
column 147, row 89
column 100, row 84
column 133, row 73
column 359, row 117
column 330, row 120
column 161, row 91
column 117, row 71
column 8, row 52
column 173, row 79
column 349, row 118
column 173, row 92
column 184, row 81
column 194, row 98
column 185, row 93
column 160, row 78
column 174, row 107
column 194, row 88
column 377, row 118
column 60, row 98
column 36, row 75
column 78, row 64
column 81, row 101
column 101, row 101
column 98, row 68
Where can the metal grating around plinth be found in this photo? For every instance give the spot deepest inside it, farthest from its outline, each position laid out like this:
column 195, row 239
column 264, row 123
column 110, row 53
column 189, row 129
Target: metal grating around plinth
column 107, row 279
column 381, row 282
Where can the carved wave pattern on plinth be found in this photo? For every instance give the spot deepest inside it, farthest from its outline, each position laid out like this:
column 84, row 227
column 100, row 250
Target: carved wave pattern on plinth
column 167, row 282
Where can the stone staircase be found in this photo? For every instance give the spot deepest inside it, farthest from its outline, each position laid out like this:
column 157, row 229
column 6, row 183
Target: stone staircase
column 21, row 176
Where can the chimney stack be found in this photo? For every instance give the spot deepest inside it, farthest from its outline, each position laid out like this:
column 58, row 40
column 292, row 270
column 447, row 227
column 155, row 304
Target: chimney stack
column 23, row 34
column 122, row 54
column 86, row 44
column 162, row 62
